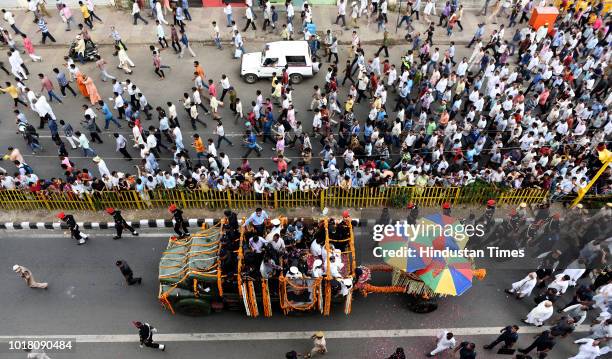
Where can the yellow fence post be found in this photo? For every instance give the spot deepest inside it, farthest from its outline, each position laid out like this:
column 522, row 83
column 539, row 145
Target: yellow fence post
column 183, row 199
column 92, row 206
column 457, row 195
column 45, row 202
column 229, row 198
column 322, row 199
column 275, row 199
column 137, row 198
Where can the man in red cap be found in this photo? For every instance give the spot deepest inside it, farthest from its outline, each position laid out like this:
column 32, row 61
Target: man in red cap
column 446, row 209
column 180, row 225
column 73, row 226
column 145, row 332
column 120, row 223
column 489, row 212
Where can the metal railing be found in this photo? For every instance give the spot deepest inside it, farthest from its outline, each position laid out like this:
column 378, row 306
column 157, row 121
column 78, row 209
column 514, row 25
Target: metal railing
column 393, row 196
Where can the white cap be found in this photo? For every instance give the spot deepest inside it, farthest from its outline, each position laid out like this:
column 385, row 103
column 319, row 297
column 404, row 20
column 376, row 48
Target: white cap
column 579, row 206
column 317, row 263
column 348, row 282
column 96, row 159
column 523, row 205
column 16, row 267
column 294, row 270
column 276, row 222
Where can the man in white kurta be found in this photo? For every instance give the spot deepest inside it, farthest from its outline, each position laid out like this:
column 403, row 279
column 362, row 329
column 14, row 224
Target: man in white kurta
column 560, row 283
column 275, row 230
column 590, row 349
column 446, row 341
column 540, row 313
column 603, row 296
column 574, row 274
column 524, row 287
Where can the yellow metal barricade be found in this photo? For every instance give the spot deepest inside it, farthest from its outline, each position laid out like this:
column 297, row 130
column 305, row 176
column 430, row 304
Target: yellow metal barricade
column 336, row 197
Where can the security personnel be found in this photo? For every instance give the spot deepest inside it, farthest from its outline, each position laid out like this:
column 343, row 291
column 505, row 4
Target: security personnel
column 73, row 226
column 127, row 273
column 446, row 209
column 413, row 213
column 145, row 332
column 120, row 223
column 180, row 226
column 489, row 212
column 490, row 208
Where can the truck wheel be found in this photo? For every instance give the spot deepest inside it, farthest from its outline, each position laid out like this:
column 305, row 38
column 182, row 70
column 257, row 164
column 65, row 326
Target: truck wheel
column 296, row 78
column 193, row 307
column 422, row 306
column 250, row 78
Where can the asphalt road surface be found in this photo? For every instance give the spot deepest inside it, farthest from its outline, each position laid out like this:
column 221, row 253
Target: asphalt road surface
column 178, row 80
column 88, row 300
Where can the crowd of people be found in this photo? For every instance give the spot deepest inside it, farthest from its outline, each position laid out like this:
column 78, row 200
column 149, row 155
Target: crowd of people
column 525, row 112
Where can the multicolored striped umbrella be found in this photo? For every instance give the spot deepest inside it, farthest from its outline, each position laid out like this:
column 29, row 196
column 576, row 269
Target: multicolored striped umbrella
column 444, row 275
column 451, row 278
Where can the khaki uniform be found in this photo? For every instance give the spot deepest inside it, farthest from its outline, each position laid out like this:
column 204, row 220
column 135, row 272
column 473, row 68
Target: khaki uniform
column 29, row 278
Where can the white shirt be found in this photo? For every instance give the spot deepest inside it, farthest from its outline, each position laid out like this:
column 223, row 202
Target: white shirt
column 8, row 16
column 445, row 343
column 83, row 141
column 160, row 31
column 589, row 351
column 33, row 5
column 316, row 249
column 119, row 102
column 341, row 7
column 225, row 84
column 178, row 136
column 220, row 131
column 461, row 68
column 91, row 113
column 559, row 284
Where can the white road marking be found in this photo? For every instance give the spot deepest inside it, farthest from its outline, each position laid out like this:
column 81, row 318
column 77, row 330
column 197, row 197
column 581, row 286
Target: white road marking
column 252, row 336
column 160, row 233
column 24, row 235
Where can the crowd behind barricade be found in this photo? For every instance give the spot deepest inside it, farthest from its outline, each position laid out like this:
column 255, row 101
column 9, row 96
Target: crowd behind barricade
column 539, row 122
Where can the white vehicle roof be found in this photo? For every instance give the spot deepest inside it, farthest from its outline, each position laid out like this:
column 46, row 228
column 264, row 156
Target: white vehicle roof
column 278, row 49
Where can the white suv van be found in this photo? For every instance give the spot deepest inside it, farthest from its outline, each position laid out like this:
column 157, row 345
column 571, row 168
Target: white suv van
column 274, row 57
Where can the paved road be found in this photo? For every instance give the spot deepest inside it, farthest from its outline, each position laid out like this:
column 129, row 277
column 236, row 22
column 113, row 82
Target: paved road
column 179, row 80
column 87, row 296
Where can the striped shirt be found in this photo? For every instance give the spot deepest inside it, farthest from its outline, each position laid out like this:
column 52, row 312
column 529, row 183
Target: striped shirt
column 42, row 25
